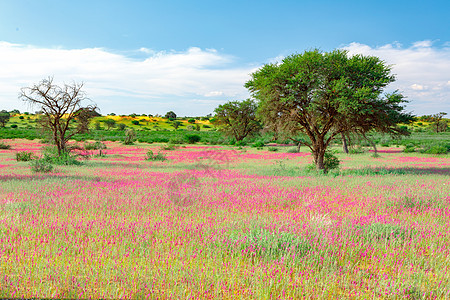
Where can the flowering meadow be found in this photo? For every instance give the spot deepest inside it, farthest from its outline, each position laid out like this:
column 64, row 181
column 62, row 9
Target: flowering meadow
column 213, row 222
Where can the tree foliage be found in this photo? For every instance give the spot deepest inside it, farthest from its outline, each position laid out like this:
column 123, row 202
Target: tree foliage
column 60, row 106
column 171, row 115
column 110, row 123
column 237, row 118
column 325, row 94
column 4, row 117
column 438, row 123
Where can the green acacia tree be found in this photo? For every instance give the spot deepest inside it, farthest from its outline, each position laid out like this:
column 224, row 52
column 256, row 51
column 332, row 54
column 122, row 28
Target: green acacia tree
column 237, row 118
column 4, row 117
column 171, row 115
column 324, row 95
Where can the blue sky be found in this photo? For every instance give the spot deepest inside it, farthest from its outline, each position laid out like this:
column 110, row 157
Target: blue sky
column 191, row 56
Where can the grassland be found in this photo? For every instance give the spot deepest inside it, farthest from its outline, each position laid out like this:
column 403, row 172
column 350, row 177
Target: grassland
column 214, row 222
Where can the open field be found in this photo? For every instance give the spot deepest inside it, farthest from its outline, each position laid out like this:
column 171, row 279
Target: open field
column 214, row 222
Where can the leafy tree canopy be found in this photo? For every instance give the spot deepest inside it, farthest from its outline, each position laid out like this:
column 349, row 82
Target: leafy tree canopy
column 4, row 117
column 171, row 115
column 326, row 94
column 237, row 118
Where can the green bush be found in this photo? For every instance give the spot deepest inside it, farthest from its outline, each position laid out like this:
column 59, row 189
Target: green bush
column 121, row 126
column 272, row 149
column 21, row 117
column 410, row 147
column 241, row 143
column 94, row 146
column 168, row 147
column 437, row 149
column 4, row 146
column 41, row 166
column 206, row 126
column 13, row 126
column 193, row 138
column 356, row 150
column 192, row 121
column 130, row 137
column 135, row 122
column 158, row 157
column 175, row 140
column 24, row 156
column 258, row 144
column 330, row 161
column 50, row 154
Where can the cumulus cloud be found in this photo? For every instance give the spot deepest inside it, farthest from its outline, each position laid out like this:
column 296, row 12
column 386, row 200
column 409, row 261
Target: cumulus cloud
column 417, row 87
column 116, row 82
column 422, row 72
column 214, row 94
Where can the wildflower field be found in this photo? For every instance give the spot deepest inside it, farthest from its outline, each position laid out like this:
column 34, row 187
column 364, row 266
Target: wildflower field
column 214, row 222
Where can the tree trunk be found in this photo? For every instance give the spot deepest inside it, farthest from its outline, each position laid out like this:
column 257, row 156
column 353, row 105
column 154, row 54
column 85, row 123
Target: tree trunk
column 298, row 147
column 319, row 162
column 58, row 146
column 344, row 143
column 374, row 147
column 319, row 153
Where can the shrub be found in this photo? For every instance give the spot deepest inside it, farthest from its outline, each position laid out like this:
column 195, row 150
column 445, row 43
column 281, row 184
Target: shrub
column 190, row 128
column 135, row 122
column 193, row 138
column 330, row 161
column 272, row 149
column 206, row 126
column 13, row 126
column 4, row 146
column 130, row 137
column 436, row 149
column 121, row 126
column 385, row 143
column 258, row 144
column 65, row 158
column 191, row 121
column 409, row 148
column 176, row 140
column 41, row 166
column 356, row 150
column 241, row 143
column 21, row 117
column 94, row 146
column 168, row 147
column 24, row 156
column 157, row 157
column 293, row 150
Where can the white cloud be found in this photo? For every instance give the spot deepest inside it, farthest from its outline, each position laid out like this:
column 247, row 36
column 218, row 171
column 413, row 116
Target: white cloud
column 422, row 44
column 422, row 73
column 214, row 94
column 123, row 84
column 417, row 87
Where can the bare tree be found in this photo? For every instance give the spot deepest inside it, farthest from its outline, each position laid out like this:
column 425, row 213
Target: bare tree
column 60, row 107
